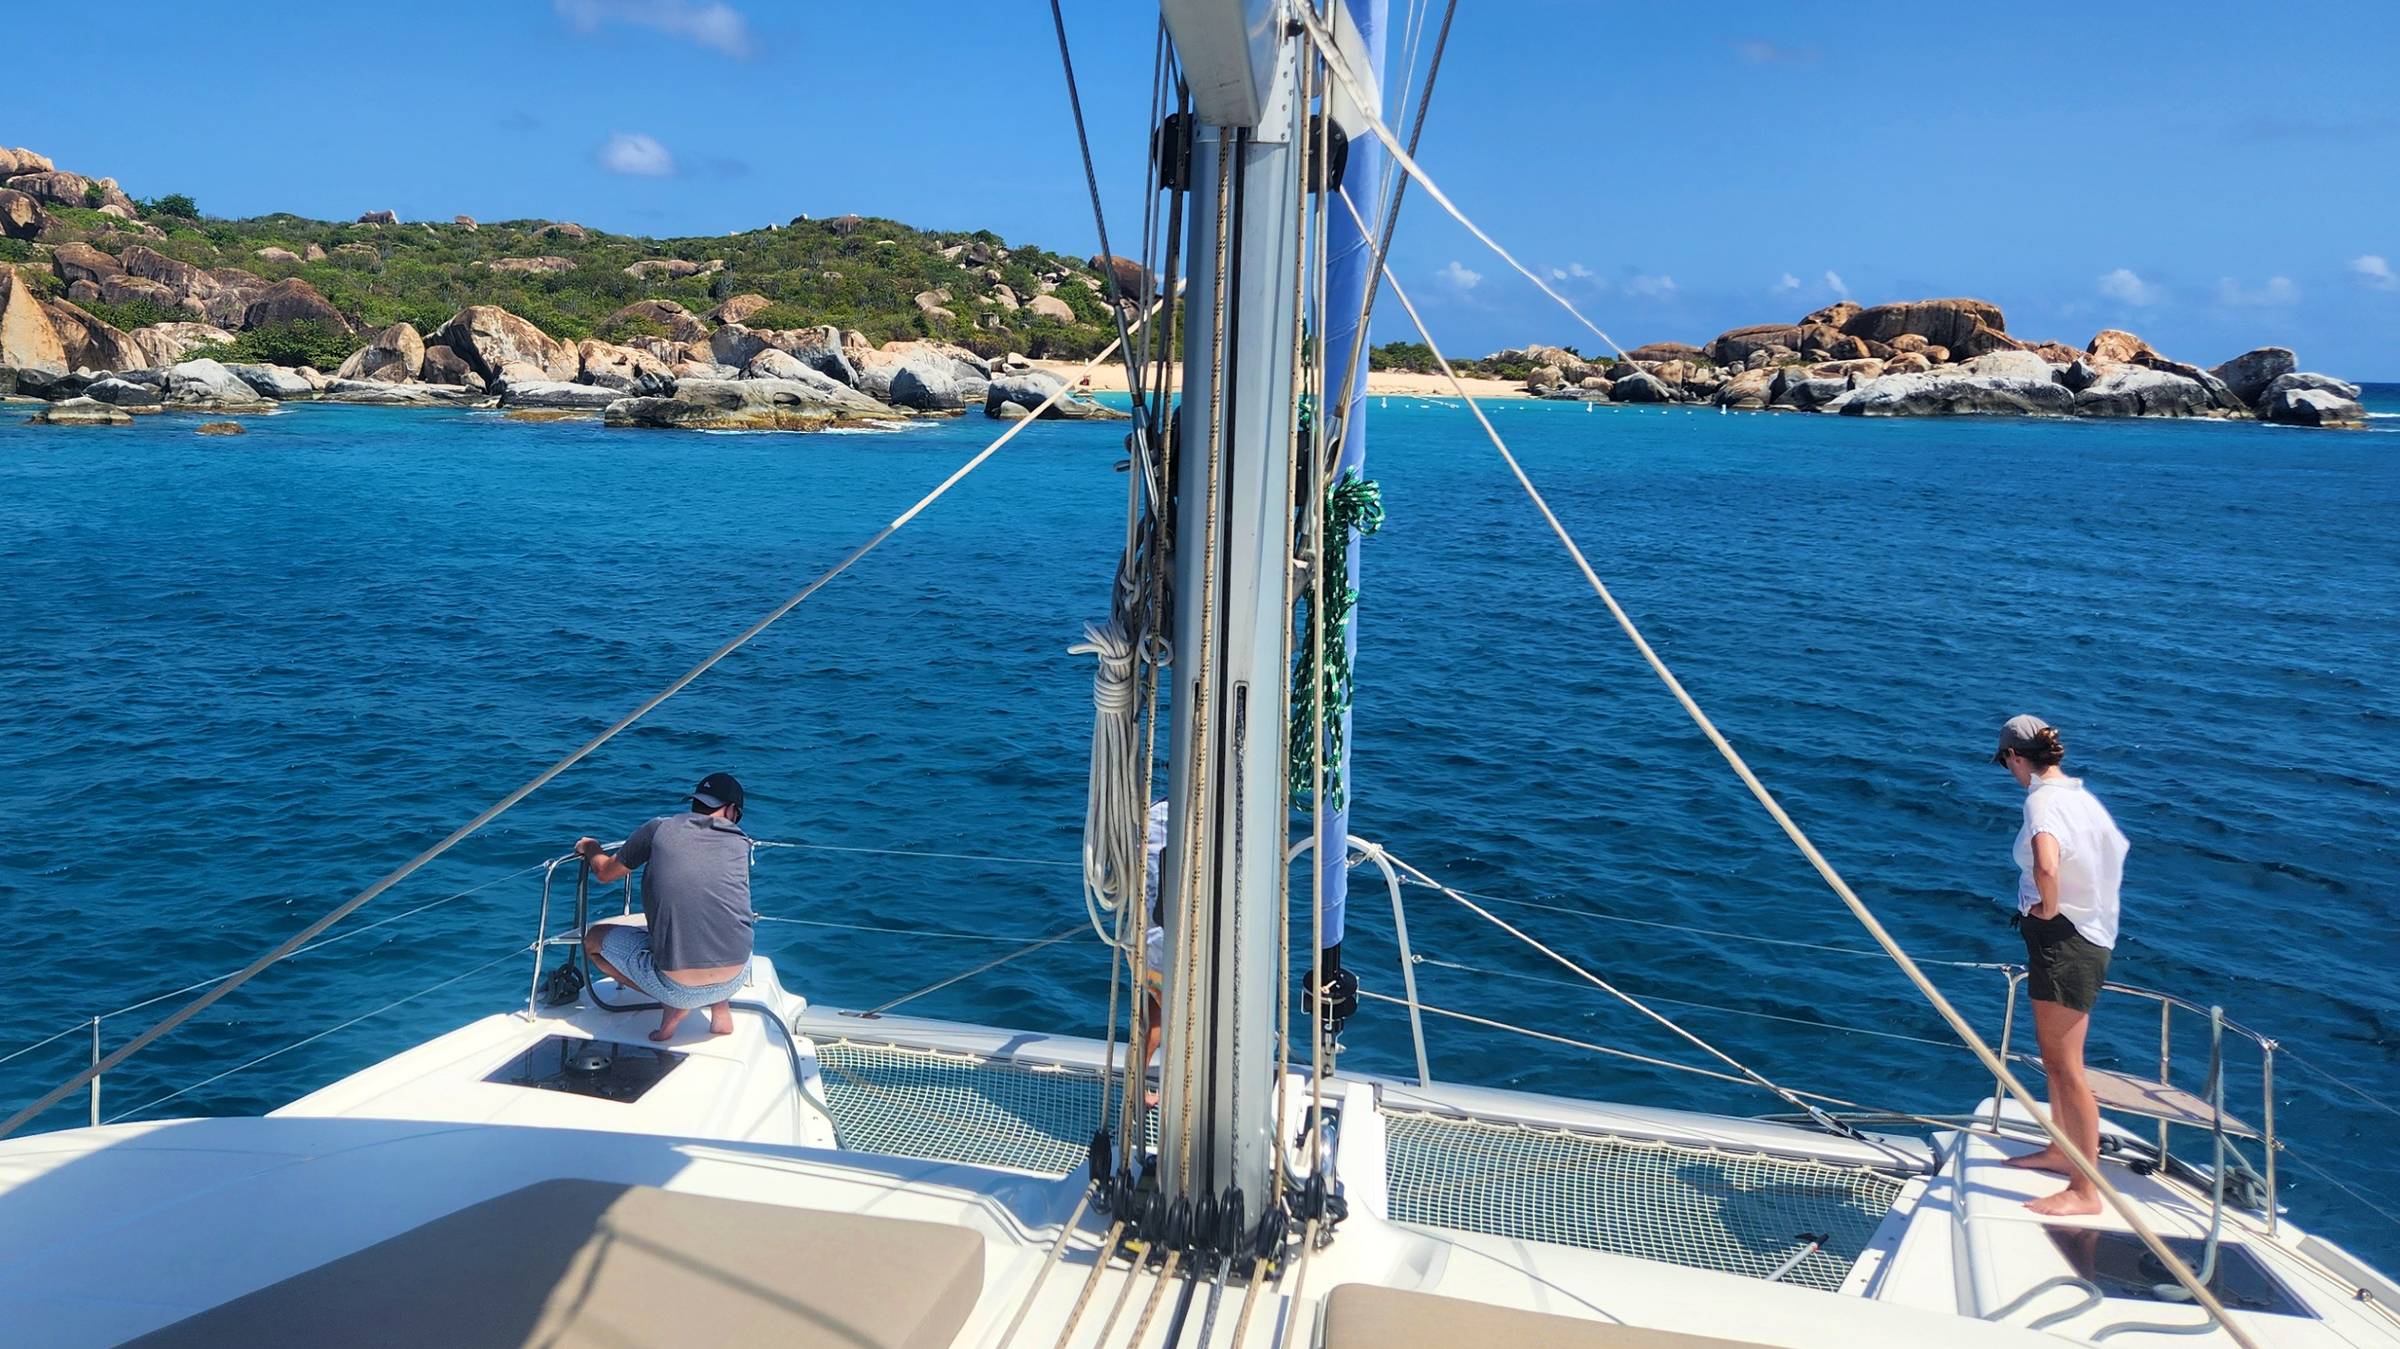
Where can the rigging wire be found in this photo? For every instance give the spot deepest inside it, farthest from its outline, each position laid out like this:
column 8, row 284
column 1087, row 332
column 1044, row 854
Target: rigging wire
column 23, row 1050
column 2085, row 1167
column 1203, row 694
column 2284, row 1049
column 156, row 1102
column 1408, row 164
column 1631, row 1056
column 915, row 852
column 290, row 944
column 995, row 937
column 1412, row 37
column 1715, row 933
column 1967, row 1124
column 1695, row 1006
column 1354, row 377
column 2385, row 1106
column 2328, row 1177
column 1091, row 178
column 962, row 976
column 1755, row 1077
column 1307, row 447
column 336, row 937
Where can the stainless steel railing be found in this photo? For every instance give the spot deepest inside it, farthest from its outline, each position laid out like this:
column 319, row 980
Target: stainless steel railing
column 2168, row 1004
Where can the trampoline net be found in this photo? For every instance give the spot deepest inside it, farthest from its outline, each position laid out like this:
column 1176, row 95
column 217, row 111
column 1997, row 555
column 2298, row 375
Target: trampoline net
column 1734, row 1212
column 954, row 1107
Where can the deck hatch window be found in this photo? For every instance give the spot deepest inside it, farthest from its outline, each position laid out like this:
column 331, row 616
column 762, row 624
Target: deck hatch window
column 602, row 1069
column 2120, row 1266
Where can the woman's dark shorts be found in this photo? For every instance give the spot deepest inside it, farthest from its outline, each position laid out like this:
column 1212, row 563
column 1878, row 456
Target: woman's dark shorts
column 2065, row 967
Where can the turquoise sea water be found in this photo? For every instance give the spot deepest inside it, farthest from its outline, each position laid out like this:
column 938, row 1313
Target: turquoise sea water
column 243, row 677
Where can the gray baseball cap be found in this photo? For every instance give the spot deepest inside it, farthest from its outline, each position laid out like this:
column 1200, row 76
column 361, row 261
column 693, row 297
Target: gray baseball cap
column 2020, row 734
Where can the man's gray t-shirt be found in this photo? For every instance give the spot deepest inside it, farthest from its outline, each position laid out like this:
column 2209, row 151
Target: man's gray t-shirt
column 695, row 888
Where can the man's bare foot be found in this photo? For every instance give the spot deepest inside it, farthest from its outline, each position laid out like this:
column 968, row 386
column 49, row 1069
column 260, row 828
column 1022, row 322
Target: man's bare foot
column 1150, row 1099
column 720, row 1019
column 2048, row 1159
column 2067, row 1203
column 668, row 1020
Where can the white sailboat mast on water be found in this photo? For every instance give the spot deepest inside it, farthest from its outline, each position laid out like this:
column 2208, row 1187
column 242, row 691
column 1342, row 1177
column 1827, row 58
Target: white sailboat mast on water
column 542, row 1175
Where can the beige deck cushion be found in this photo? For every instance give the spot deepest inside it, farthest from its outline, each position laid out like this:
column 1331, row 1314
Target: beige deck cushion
column 1363, row 1316
column 581, row 1263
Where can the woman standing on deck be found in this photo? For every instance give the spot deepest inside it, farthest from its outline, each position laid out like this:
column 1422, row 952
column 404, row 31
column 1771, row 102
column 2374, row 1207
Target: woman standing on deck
column 2071, row 857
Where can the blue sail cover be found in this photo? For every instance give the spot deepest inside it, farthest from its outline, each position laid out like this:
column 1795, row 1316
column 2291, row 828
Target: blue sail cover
column 1350, row 258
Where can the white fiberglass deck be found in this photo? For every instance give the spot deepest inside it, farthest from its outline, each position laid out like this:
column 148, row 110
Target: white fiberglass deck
column 112, row 1232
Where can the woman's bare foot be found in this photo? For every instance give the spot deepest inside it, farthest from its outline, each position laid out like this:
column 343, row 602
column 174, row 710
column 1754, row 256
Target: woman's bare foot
column 2067, row 1203
column 668, row 1020
column 2048, row 1159
column 720, row 1019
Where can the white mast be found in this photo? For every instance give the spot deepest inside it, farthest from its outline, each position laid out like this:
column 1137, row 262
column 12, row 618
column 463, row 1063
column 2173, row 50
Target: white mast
column 1227, row 829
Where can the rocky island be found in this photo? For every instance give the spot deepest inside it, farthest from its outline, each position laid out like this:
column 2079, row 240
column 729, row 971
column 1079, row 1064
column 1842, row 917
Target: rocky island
column 111, row 307
column 1925, row 358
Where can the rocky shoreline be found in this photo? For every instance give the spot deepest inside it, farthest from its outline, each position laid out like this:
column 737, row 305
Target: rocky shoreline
column 732, row 378
column 674, row 369
column 1940, row 358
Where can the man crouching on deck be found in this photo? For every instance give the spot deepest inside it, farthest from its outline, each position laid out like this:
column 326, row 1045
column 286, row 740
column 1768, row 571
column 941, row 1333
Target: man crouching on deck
column 696, row 950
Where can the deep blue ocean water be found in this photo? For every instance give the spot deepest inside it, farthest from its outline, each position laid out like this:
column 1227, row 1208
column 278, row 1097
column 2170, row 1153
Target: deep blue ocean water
column 243, row 677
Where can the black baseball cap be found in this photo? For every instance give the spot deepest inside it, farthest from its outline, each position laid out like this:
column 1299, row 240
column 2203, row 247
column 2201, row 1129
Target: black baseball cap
column 718, row 790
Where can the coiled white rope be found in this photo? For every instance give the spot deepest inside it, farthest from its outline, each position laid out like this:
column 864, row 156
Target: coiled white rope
column 1116, row 806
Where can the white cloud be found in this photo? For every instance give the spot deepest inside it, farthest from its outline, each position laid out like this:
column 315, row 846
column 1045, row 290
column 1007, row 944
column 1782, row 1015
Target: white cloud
column 1578, row 271
column 1835, row 283
column 2124, row 287
column 637, row 154
column 1651, row 287
column 2276, row 293
column 1558, row 273
column 1762, row 53
column 1788, row 284
column 1459, row 275
column 716, row 26
column 2373, row 270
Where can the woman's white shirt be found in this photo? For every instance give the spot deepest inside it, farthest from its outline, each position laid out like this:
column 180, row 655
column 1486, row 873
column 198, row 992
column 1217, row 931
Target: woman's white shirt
column 2091, row 856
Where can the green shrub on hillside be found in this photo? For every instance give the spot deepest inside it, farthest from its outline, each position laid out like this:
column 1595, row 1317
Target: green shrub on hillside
column 137, row 313
column 865, row 277
column 781, row 316
column 83, row 218
column 628, row 328
column 293, row 344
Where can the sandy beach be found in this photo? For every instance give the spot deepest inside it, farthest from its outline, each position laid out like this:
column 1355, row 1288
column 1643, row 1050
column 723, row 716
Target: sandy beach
column 1109, row 377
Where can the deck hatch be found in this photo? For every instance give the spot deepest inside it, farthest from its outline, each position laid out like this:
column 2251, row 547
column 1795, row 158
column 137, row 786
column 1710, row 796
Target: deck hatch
column 601, row 1069
column 1708, row 1208
column 2120, row 1266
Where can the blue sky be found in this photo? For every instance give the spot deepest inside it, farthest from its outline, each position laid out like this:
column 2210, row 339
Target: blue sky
column 2212, row 176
